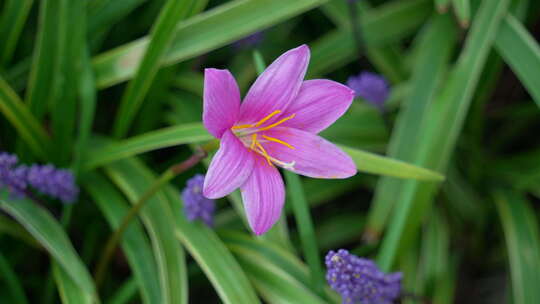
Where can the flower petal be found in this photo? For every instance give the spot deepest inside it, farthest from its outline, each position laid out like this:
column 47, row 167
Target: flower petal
column 319, row 104
column 276, row 87
column 221, row 101
column 263, row 195
column 313, row 155
column 229, row 169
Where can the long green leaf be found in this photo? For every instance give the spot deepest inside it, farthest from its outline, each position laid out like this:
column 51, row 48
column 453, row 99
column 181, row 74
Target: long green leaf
column 45, row 74
column 168, row 137
column 134, row 243
column 434, row 50
column 520, row 228
column 23, row 121
column 521, row 51
column 442, row 127
column 12, row 282
column 201, row 34
column 372, row 163
column 50, row 234
column 158, row 219
column 70, row 292
column 161, row 37
column 12, row 22
column 463, row 11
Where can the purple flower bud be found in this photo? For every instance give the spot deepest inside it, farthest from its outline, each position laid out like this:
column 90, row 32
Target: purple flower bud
column 196, row 206
column 11, row 177
column 370, row 86
column 250, row 41
column 57, row 183
column 359, row 280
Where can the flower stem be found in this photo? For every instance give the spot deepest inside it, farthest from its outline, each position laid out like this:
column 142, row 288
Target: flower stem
column 113, row 240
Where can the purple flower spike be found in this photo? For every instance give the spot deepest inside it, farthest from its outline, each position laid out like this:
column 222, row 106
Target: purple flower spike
column 12, row 178
column 370, row 86
column 196, row 206
column 57, row 183
column 359, row 280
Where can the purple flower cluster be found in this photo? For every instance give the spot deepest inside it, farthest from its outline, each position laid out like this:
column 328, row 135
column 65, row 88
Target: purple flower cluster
column 46, row 179
column 359, row 280
column 196, row 206
column 370, row 86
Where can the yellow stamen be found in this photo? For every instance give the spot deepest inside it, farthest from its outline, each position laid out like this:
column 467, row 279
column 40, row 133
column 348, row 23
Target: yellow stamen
column 278, row 141
column 267, row 117
column 253, row 140
column 277, row 123
column 242, row 126
column 263, row 151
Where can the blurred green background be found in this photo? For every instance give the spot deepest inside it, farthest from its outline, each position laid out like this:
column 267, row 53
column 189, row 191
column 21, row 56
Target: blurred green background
column 113, row 90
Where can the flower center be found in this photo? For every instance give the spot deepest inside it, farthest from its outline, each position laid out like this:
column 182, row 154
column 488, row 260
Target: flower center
column 249, row 135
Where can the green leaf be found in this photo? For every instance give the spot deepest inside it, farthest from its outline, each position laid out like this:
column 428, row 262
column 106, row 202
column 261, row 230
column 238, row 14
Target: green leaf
column 163, row 138
column 125, row 293
column 23, row 121
column 376, row 164
column 434, row 49
column 12, row 22
column 442, row 127
column 201, row 34
column 383, row 26
column 70, row 292
column 296, row 197
column 521, row 51
column 523, row 244
column 49, row 233
column 277, row 274
column 134, row 242
column 463, row 12
column 158, row 219
column 45, row 75
column 161, row 37
column 12, row 282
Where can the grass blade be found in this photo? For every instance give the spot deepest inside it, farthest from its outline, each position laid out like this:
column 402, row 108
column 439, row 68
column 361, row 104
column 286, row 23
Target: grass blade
column 434, row 50
column 11, row 24
column 70, row 292
column 158, row 220
column 463, row 12
column 521, row 51
column 23, row 121
column 439, row 142
column 134, row 244
column 201, row 34
column 300, row 207
column 168, row 137
column 523, row 244
column 12, row 283
column 49, row 233
column 161, row 37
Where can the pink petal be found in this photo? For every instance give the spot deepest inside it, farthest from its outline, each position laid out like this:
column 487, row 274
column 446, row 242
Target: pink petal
column 313, row 155
column 229, row 169
column 318, row 105
column 276, row 87
column 263, row 195
column 221, row 101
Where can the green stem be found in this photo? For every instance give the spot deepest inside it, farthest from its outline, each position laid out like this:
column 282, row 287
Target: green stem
column 113, row 240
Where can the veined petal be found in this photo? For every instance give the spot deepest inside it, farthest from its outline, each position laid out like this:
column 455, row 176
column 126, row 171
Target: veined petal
column 221, row 101
column 312, row 155
column 263, row 195
column 318, row 105
column 229, row 169
column 276, row 87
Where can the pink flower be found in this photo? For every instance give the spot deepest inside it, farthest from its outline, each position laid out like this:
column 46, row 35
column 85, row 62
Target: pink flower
column 276, row 125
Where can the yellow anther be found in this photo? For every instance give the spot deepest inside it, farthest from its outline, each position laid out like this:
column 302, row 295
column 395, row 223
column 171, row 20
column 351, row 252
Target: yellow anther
column 253, row 140
column 242, row 127
column 263, row 151
column 277, row 141
column 277, row 123
column 267, row 117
